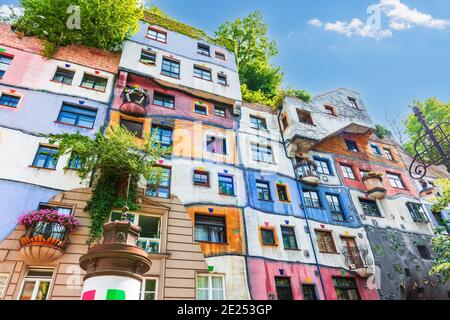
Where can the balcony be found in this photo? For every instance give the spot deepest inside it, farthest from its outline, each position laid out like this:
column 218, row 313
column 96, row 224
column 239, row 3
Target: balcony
column 374, row 185
column 358, row 261
column 134, row 102
column 307, row 172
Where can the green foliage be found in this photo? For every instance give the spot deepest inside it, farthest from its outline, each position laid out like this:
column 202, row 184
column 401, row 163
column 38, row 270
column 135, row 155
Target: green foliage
column 104, row 24
column 441, row 247
column 111, row 158
column 382, row 132
column 434, row 112
column 442, row 202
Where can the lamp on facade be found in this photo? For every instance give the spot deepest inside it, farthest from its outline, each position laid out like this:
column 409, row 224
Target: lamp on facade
column 434, row 146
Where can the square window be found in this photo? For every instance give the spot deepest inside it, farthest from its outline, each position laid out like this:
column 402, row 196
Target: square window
column 351, row 145
column 93, row 82
column 8, row 100
column 376, row 150
column 268, row 237
column 77, row 116
column 170, row 68
column 312, row 199
column 163, row 100
column 370, row 208
column 353, row 102
column 263, row 190
column 305, row 117
column 201, row 109
column 46, row 158
column 220, row 55
column 210, row 229
column 201, row 178
column 262, row 153
column 282, row 193
column 258, row 123
column 396, row 181
column 284, row 289
column 289, row 239
column 157, row 35
column 203, row 49
column 325, row 241
column 323, row 166
column 222, row 79
column 424, row 252
column 346, row 289
column 149, row 289
column 347, row 172
column 309, row 292
column 202, row 73
column 330, row 110
column 74, row 162
column 210, row 287
column 216, row 145
column 159, row 186
column 148, row 57
column 417, row 212
column 162, row 135
column 133, row 126
column 226, row 185
column 220, row 111
column 64, row 76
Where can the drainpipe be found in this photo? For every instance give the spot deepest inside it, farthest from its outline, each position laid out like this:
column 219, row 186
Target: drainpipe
column 303, row 205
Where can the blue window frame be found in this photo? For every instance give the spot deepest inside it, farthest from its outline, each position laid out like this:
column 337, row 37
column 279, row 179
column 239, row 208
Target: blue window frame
column 336, row 208
column 160, row 186
column 74, row 162
column 170, row 68
column 263, row 190
column 8, row 100
column 323, row 166
column 202, row 73
column 163, row 135
column 4, row 59
column 376, row 150
column 2, row 73
column 77, row 116
column 351, row 145
column 163, row 100
column 226, row 185
column 46, row 158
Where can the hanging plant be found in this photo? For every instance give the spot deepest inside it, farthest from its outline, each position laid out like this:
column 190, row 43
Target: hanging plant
column 48, row 216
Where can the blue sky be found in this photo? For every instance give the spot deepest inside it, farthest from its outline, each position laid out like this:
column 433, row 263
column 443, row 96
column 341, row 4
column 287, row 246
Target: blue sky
column 408, row 59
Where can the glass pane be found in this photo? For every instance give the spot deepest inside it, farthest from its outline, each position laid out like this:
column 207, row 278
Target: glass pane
column 202, row 294
column 43, row 290
column 202, row 282
column 149, row 296
column 27, row 290
column 217, row 294
column 150, row 285
column 150, row 227
column 217, row 282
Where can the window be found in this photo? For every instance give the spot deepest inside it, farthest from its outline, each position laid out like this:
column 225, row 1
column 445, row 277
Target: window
column 424, row 252
column 370, row 208
column 258, row 123
column 226, row 185
column 312, row 199
column 220, row 55
column 323, row 167
column 376, row 150
column 63, row 76
column 284, row 290
column 216, row 145
column 335, row 207
column 330, row 110
column 353, row 102
column 309, row 292
column 170, row 68
column 220, row 111
column 210, row 287
column 262, row 153
column 160, row 186
column 162, row 135
column 150, row 236
column 92, row 82
column 201, row 109
column 346, row 289
column 46, row 158
column 61, row 210
column 163, row 100
column 157, row 35
column 284, row 122
column 5, row 59
column 2, row 73
column 203, row 49
column 222, row 79
column 389, row 154
column 263, row 190
column 440, row 219
column 268, row 237
column 148, row 289
column 8, row 100
column 417, row 212
column 201, row 178
column 36, row 284
column 210, row 229
column 325, row 241
column 289, row 239
column 148, row 57
column 282, row 193
column 133, row 126
column 77, row 116
column 396, row 181
column 304, row 117
column 351, row 145
column 347, row 171
column 74, row 162
column 202, row 73
column 3, row 280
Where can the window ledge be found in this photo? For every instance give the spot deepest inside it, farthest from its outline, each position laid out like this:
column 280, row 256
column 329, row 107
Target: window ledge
column 58, row 82
column 227, row 195
column 41, row 168
column 97, row 90
column 73, row 125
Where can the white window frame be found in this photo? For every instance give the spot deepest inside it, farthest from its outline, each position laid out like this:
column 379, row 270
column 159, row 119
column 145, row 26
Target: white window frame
column 37, row 283
column 396, row 181
column 3, row 290
column 210, row 276
column 345, row 172
column 143, row 292
column 217, row 136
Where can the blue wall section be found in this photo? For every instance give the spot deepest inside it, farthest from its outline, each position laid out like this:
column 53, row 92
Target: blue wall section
column 18, row 198
column 39, row 110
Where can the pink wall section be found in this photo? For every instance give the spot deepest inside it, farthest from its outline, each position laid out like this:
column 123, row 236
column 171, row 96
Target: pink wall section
column 262, row 275
column 358, row 184
column 184, row 103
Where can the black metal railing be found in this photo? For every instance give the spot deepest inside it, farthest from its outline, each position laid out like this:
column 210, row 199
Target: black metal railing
column 306, row 169
column 53, row 233
column 135, row 95
column 356, row 258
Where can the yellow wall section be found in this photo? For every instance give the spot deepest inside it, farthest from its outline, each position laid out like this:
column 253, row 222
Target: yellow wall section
column 116, row 116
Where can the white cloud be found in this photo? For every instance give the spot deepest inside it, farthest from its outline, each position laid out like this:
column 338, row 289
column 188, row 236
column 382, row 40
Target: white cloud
column 399, row 16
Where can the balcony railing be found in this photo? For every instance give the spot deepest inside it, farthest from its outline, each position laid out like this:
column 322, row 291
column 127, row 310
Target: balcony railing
column 134, row 101
column 307, row 172
column 358, row 260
